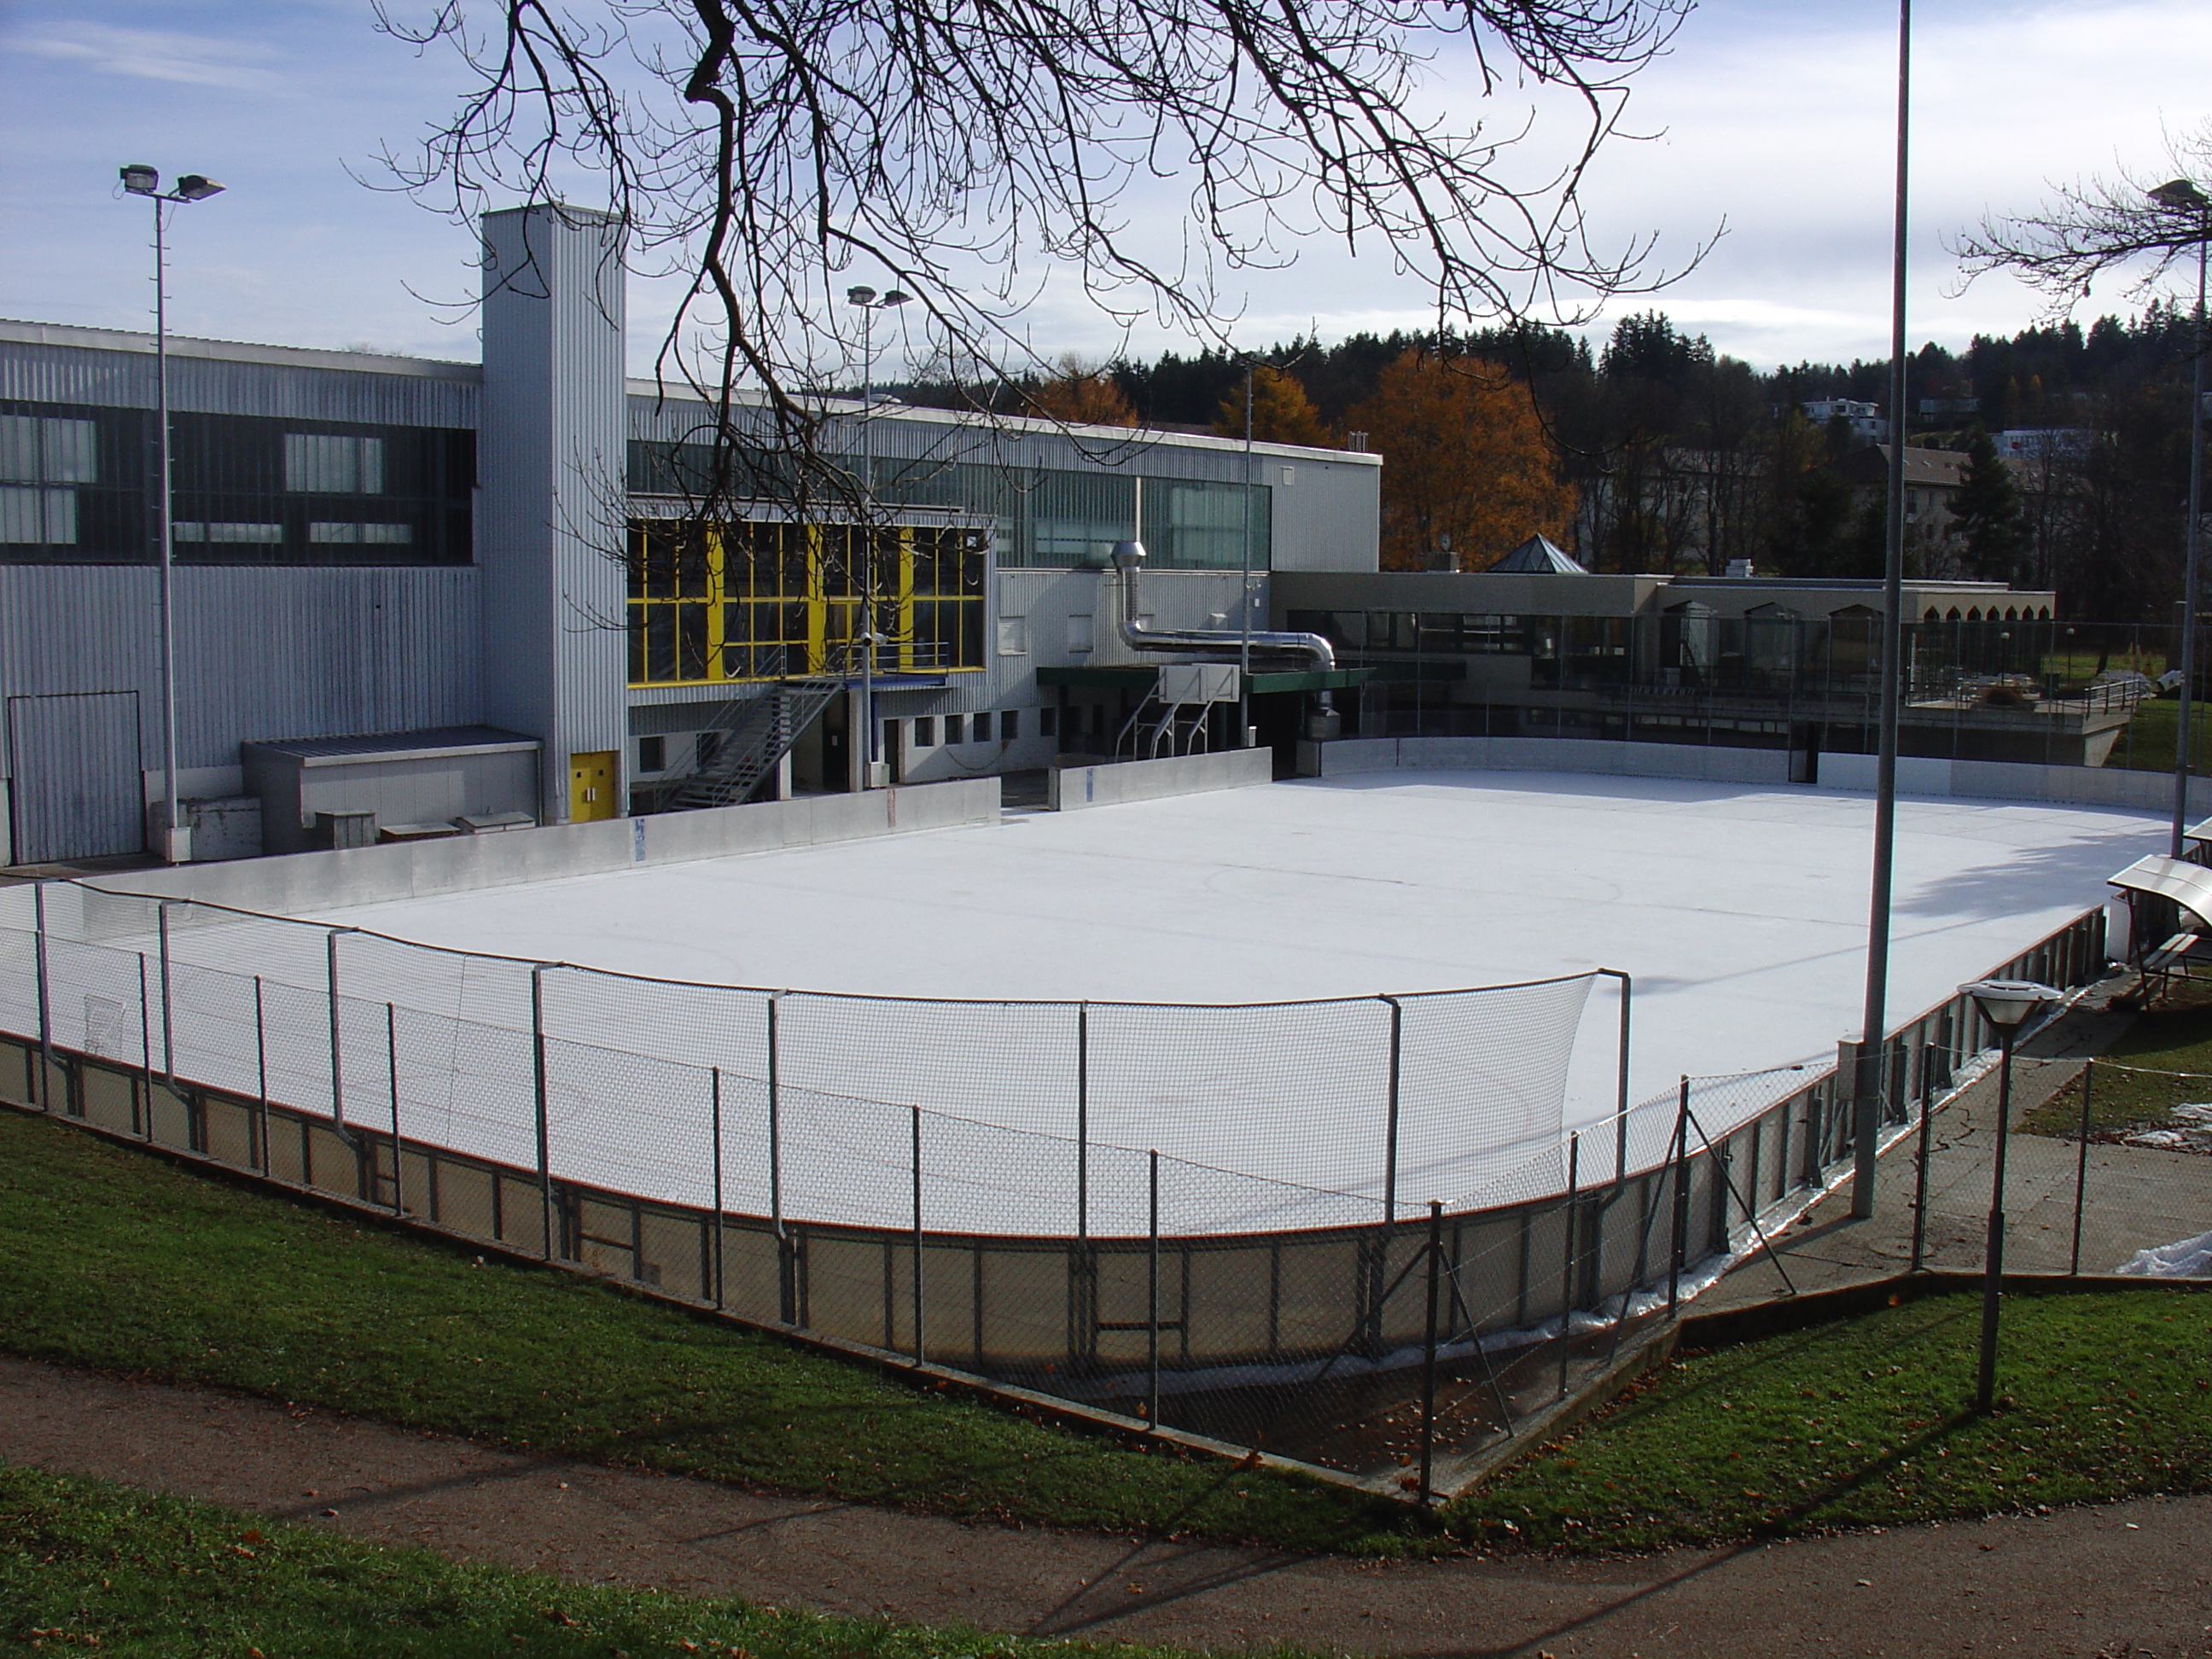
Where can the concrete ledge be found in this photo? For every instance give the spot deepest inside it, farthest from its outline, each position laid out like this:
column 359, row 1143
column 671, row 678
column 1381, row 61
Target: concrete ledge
column 1071, row 788
column 371, row 875
column 1635, row 760
column 2086, row 786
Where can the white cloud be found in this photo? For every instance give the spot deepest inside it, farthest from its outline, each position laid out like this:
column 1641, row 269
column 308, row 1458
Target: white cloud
column 156, row 55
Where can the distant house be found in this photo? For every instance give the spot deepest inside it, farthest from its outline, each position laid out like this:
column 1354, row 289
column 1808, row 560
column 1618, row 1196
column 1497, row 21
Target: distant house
column 1932, row 478
column 2049, row 443
column 1865, row 420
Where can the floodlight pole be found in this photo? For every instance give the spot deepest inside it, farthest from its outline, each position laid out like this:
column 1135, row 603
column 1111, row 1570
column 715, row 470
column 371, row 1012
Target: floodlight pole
column 869, row 303
column 1870, row 1069
column 2182, row 746
column 1245, row 584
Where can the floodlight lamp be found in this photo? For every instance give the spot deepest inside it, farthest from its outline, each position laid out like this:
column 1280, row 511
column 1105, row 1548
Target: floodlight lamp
column 895, row 297
column 2007, row 1003
column 861, row 295
column 194, row 188
column 140, row 179
column 2181, row 195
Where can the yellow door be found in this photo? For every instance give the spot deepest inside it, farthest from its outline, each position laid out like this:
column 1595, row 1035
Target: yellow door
column 592, row 786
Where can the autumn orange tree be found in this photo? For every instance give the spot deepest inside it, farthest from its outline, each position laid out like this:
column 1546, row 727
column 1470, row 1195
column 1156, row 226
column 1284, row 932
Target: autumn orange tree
column 1081, row 396
column 1464, row 455
column 1281, row 411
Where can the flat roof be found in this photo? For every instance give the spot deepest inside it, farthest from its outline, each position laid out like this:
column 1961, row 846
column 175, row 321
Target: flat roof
column 431, row 744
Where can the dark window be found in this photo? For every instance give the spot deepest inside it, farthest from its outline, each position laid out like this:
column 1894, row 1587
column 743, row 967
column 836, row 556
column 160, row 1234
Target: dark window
column 953, row 728
column 710, row 745
column 1010, row 725
column 1047, row 723
column 925, row 732
column 652, row 754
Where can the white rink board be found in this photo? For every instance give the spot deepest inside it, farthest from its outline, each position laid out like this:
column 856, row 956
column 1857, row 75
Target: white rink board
column 1740, row 910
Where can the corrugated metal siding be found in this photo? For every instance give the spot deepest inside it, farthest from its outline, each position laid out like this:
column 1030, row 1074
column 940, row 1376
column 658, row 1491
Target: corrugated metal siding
column 77, row 758
column 124, row 379
column 552, row 462
column 261, row 652
column 1329, row 519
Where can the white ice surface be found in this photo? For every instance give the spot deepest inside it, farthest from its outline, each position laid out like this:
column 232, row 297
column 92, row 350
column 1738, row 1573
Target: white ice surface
column 1741, row 912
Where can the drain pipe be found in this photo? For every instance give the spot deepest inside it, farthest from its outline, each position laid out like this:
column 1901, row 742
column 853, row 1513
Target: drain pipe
column 1310, row 650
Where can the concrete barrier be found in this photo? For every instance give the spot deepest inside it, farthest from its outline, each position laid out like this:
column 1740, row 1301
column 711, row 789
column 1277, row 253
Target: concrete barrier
column 1706, row 764
column 370, row 875
column 1071, row 788
column 2085, row 786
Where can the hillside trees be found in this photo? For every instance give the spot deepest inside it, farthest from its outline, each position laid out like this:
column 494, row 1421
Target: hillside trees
column 1281, row 411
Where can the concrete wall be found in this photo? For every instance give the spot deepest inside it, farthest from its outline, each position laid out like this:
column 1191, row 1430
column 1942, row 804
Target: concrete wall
column 1074, row 787
column 368, row 875
column 1635, row 760
column 2092, row 785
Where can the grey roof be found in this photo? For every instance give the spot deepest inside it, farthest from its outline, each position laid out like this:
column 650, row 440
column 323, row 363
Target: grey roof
column 439, row 739
column 1537, row 556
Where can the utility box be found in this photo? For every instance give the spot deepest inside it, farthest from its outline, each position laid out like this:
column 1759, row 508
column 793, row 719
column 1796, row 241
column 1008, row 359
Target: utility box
column 409, row 781
column 1198, row 682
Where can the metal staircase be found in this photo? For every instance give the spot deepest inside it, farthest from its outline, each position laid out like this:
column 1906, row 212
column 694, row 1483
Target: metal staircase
column 760, row 732
column 1160, row 727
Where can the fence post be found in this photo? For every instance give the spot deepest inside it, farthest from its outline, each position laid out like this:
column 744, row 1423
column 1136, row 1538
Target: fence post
column 786, row 1279
column 1429, row 1348
column 1152, row 1300
column 2082, row 1167
column 1620, row 1085
column 1567, row 1264
column 261, row 1068
column 45, row 1000
column 337, row 1028
column 391, row 1070
column 716, row 1101
column 1681, row 1218
column 1920, row 1177
column 918, row 1354
column 169, row 1027
column 143, row 1127
column 537, row 1079
column 1082, row 1124
column 1390, row 1130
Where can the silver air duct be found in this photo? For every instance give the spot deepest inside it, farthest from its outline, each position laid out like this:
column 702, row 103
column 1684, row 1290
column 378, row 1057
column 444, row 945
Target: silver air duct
column 1308, row 651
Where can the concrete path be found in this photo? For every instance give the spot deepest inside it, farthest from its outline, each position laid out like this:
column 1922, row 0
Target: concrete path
column 2131, row 1579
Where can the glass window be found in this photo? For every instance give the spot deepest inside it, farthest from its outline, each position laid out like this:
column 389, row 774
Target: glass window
column 953, row 723
column 1047, row 723
column 652, row 754
column 1010, row 725
column 328, row 464
column 925, row 732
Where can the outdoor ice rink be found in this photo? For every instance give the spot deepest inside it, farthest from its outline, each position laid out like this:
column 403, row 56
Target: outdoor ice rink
column 1740, row 911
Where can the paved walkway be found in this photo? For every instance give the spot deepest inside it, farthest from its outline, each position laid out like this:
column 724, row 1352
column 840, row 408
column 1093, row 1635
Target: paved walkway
column 2130, row 1579
column 2136, row 1197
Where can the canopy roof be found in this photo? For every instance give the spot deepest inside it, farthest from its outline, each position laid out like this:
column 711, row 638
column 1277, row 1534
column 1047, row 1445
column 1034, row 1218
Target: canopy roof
column 1537, row 556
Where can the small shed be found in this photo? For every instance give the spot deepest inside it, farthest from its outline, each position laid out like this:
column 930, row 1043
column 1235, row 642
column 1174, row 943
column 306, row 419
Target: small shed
column 344, row 792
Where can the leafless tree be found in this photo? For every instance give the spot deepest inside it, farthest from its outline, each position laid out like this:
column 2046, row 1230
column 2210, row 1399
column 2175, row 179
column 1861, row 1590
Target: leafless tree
column 766, row 152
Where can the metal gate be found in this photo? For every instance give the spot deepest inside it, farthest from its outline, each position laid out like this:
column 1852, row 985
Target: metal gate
column 77, row 789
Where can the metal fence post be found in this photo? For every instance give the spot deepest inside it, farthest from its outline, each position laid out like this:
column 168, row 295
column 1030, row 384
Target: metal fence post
column 1567, row 1263
column 1083, row 1124
column 785, row 1277
column 1152, row 1299
column 143, row 1127
column 538, row 1079
column 918, row 1353
column 261, row 1068
column 1681, row 1218
column 169, row 1027
column 391, row 1070
column 1620, row 1083
column 45, row 999
column 1920, row 1178
column 338, row 1028
column 1429, row 1346
column 1390, row 1128
column 2082, row 1167
column 716, row 1108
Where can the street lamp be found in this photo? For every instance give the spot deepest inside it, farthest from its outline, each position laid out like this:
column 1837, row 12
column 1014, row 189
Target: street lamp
column 2009, row 1005
column 870, row 302
column 2180, row 196
column 139, row 179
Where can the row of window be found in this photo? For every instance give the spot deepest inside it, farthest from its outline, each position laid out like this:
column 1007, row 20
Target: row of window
column 78, row 484
column 1051, row 517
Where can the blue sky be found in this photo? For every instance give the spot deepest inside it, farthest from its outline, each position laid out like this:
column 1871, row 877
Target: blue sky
column 1772, row 117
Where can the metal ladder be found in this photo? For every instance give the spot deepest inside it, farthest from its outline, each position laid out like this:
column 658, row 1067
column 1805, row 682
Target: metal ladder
column 1158, row 728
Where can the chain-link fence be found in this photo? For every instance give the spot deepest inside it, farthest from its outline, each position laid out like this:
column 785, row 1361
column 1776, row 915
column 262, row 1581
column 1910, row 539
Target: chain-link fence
column 1353, row 1231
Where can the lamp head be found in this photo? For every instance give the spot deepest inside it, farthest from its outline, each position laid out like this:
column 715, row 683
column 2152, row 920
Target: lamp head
column 895, row 297
column 140, row 179
column 2180, row 196
column 194, row 188
column 861, row 294
column 2008, row 1003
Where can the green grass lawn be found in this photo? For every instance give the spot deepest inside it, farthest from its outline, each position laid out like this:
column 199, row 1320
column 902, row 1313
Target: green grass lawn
column 1864, row 1423
column 2146, row 743
column 90, row 1567
column 117, row 1260
column 2171, row 1043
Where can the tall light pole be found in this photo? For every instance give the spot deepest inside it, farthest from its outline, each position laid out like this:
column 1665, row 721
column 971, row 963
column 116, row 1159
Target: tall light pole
column 139, row 179
column 2009, row 1005
column 2180, row 196
column 1872, row 1073
column 1244, row 584
column 870, row 302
